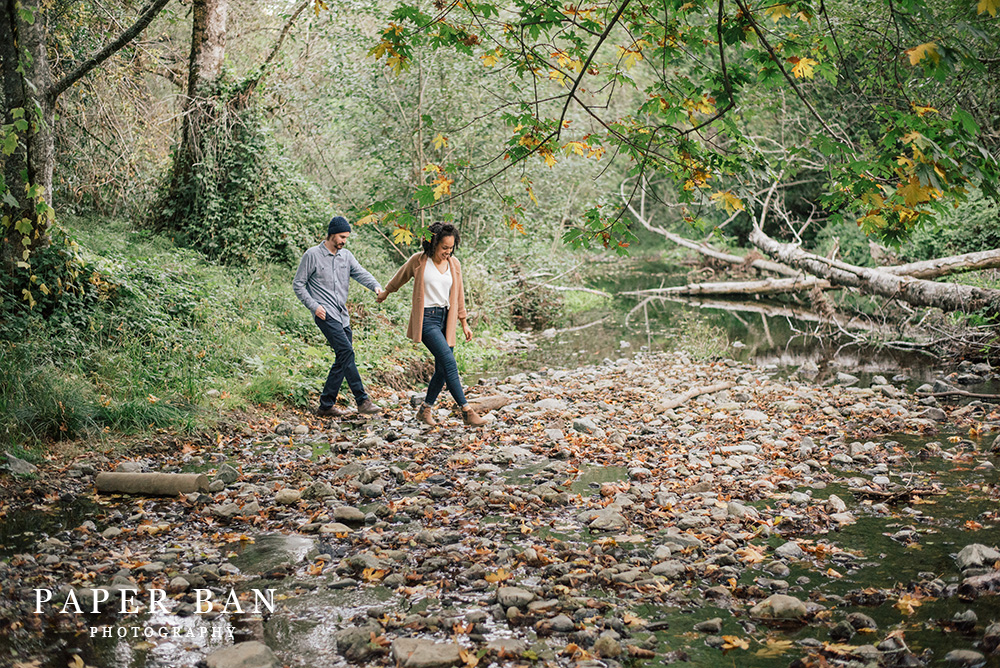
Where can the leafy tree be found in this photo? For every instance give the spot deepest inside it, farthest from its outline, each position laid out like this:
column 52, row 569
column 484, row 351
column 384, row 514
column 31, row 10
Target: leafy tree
column 891, row 102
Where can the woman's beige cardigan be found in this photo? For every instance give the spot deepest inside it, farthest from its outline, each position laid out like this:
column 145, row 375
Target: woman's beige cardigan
column 414, row 268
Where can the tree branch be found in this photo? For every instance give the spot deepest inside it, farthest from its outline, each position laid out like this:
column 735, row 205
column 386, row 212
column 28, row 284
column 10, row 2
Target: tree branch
column 146, row 16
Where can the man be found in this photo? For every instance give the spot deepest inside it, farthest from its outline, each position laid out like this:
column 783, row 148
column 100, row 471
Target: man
column 321, row 284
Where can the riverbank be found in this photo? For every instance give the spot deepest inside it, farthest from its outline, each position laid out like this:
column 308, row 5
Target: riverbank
column 608, row 514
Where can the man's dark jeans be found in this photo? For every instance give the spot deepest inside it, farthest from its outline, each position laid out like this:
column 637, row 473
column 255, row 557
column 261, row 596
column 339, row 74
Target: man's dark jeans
column 340, row 339
column 445, row 366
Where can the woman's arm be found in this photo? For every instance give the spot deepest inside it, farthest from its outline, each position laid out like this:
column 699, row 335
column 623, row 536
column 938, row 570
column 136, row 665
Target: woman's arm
column 402, row 277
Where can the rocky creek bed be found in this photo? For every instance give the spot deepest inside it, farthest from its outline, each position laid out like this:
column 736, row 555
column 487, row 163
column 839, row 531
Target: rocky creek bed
column 608, row 515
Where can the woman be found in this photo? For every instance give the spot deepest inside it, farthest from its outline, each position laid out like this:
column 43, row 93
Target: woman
column 438, row 307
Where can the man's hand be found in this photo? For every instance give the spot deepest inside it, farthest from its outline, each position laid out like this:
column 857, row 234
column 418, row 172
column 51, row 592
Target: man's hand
column 321, row 313
column 380, row 297
column 467, row 330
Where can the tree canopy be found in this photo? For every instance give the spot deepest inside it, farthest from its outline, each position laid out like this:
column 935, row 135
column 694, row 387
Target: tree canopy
column 887, row 110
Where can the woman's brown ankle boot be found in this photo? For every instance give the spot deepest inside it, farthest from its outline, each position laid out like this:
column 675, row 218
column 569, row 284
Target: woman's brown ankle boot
column 471, row 418
column 425, row 414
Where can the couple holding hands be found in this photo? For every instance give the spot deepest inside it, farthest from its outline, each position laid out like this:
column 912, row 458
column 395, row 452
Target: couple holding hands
column 438, row 307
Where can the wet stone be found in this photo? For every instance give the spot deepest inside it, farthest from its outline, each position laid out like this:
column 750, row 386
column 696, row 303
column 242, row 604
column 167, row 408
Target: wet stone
column 514, row 597
column 780, row 607
column 251, row 654
column 964, row 657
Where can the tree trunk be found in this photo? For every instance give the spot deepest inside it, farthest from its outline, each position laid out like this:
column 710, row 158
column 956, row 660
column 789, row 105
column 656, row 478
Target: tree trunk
column 944, row 266
column 914, row 291
column 27, row 85
column 29, row 95
column 208, row 49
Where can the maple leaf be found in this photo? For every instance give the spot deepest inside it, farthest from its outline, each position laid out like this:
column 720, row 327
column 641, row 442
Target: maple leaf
column 907, row 604
column 443, row 187
column 469, row 658
column 990, row 6
column 775, row 648
column 550, row 159
column 577, row 147
column 368, row 220
column 914, row 193
column 731, row 202
column 500, row 576
column 735, row 642
column 440, row 140
column 633, row 621
column 750, row 554
column 401, row 235
column 803, row 69
column 926, row 50
column 491, row 58
column 923, row 111
column 373, row 575
column 776, row 12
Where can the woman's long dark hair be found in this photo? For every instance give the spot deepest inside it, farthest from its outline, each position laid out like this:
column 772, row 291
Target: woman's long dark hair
column 438, row 232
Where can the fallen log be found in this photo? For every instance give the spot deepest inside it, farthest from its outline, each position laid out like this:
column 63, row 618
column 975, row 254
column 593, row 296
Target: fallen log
column 914, row 291
column 694, row 392
column 151, row 484
column 943, row 266
column 768, row 286
column 895, row 496
column 487, row 404
column 993, row 398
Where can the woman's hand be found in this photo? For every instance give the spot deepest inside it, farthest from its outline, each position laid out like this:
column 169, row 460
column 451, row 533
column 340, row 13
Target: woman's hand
column 467, row 331
column 380, row 297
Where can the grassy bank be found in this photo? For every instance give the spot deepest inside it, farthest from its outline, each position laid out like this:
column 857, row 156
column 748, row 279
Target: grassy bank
column 170, row 339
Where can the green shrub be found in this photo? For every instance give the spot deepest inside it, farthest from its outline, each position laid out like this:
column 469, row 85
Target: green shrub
column 242, row 200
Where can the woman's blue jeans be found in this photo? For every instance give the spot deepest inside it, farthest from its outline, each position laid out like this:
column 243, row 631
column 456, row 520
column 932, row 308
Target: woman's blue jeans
column 445, row 366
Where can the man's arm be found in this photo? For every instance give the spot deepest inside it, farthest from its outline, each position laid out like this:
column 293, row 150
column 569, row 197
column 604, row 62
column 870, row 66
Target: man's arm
column 299, row 283
column 359, row 274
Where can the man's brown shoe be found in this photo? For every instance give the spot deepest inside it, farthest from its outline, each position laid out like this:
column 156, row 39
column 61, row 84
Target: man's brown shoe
column 471, row 418
column 425, row 414
column 368, row 408
column 332, row 411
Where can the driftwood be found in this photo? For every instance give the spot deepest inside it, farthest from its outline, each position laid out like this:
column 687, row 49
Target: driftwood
column 487, row 404
column 944, row 266
column 897, row 495
column 994, row 398
column 694, row 392
column 914, row 291
column 764, row 287
column 151, row 484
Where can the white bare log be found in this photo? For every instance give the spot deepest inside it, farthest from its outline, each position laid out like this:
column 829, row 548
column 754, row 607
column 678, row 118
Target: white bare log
column 943, row 266
column 914, row 291
column 768, row 286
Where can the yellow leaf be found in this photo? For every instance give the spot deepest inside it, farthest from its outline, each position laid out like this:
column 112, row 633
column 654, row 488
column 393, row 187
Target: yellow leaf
column 431, row 167
column 990, row 6
column 401, row 235
column 803, row 69
column 550, row 159
column 76, row 662
column 926, row 50
column 633, row 621
column 735, row 642
column 923, row 111
column 774, row 648
column 751, row 554
column 500, row 576
column 731, row 202
column 440, row 141
column 778, row 11
column 373, row 575
column 469, row 658
column 914, row 193
column 442, row 188
column 368, row 220
column 577, row 147
column 491, row 58
column 908, row 604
